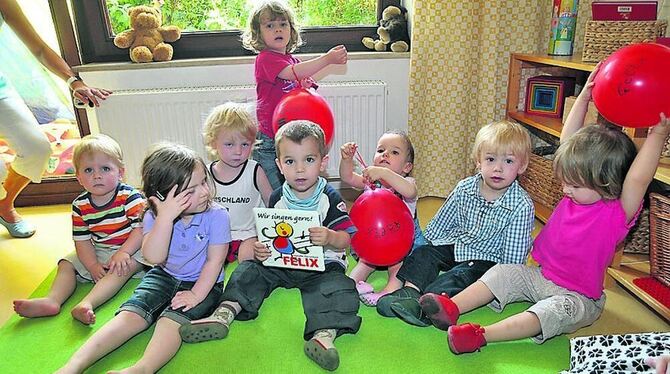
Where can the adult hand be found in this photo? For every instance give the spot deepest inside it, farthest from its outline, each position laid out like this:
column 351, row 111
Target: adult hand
column 90, row 96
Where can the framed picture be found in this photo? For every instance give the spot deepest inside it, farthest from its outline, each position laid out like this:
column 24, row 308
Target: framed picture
column 545, row 95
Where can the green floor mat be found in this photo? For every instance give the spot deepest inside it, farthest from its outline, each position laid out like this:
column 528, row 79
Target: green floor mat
column 273, row 343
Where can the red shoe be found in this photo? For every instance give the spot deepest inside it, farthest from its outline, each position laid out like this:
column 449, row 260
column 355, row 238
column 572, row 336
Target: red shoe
column 466, row 338
column 440, row 309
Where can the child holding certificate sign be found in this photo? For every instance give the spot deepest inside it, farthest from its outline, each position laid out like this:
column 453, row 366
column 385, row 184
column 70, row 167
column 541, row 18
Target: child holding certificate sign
column 329, row 297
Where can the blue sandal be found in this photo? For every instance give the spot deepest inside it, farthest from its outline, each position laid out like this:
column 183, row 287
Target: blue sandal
column 20, row 229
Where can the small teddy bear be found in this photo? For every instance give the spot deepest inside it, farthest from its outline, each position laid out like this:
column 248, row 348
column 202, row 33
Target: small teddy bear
column 146, row 37
column 392, row 32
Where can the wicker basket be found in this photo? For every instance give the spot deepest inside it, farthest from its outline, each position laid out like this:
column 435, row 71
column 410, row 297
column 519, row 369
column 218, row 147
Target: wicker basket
column 659, row 237
column 637, row 240
column 601, row 38
column 540, row 183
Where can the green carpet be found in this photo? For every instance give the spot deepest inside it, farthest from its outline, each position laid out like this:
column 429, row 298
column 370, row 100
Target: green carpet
column 273, row 343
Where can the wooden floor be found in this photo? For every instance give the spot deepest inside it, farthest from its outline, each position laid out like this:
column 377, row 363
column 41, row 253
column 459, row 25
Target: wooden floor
column 24, row 263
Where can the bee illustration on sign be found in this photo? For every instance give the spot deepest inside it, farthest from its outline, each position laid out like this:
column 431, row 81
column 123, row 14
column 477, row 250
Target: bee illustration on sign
column 284, row 242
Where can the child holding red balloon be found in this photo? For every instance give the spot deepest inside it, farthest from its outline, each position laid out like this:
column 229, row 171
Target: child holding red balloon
column 329, row 297
column 274, row 35
column 391, row 166
column 604, row 184
column 240, row 183
column 487, row 219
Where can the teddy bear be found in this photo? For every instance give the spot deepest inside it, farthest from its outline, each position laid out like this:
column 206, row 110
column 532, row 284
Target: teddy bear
column 146, row 37
column 392, row 32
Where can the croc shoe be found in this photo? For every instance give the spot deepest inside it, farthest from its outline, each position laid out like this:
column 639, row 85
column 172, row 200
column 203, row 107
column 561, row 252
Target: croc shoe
column 203, row 331
column 20, row 229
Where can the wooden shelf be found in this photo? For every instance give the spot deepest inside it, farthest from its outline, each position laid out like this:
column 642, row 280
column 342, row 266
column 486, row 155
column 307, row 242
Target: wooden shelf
column 570, row 62
column 626, row 273
column 663, row 173
column 549, row 125
column 542, row 212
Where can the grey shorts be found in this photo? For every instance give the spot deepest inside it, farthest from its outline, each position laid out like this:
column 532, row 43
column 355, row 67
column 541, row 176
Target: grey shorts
column 103, row 256
column 559, row 310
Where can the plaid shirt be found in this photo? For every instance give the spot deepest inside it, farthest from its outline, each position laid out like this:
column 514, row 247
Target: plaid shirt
column 496, row 230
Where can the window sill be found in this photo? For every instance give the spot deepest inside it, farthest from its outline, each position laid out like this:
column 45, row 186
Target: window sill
column 110, row 66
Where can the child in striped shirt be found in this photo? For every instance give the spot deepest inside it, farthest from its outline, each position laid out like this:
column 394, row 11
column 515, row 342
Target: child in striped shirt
column 107, row 233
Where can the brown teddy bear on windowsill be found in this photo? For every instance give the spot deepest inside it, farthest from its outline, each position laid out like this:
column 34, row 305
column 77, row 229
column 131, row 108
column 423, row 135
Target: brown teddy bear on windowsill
column 146, row 38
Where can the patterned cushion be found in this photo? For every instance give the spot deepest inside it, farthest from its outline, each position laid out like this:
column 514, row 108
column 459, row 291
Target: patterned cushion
column 616, row 353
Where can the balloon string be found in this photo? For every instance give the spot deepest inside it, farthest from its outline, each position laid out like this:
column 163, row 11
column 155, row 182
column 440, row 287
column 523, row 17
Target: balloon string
column 360, row 159
column 368, row 184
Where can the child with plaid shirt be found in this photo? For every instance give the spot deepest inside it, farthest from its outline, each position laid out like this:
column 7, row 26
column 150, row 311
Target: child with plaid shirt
column 487, row 219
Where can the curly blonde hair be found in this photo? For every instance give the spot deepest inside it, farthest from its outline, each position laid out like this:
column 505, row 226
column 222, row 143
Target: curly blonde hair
column 231, row 116
column 272, row 10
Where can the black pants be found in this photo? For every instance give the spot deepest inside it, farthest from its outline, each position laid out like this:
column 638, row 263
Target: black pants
column 329, row 298
column 422, row 268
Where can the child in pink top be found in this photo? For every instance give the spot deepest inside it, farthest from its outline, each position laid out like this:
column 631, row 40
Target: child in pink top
column 273, row 34
column 604, row 183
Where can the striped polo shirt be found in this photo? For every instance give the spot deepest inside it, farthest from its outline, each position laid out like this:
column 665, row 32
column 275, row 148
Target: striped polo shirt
column 108, row 226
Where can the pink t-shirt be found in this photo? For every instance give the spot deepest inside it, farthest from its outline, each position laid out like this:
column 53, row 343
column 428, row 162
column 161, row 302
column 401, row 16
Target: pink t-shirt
column 269, row 87
column 578, row 242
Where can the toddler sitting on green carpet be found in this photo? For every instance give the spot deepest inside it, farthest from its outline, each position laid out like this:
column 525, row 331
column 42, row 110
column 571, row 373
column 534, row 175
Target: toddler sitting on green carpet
column 329, row 298
column 107, row 233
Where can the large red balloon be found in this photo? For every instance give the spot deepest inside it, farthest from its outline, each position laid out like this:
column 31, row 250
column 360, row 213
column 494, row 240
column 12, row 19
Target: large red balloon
column 385, row 227
column 631, row 88
column 302, row 103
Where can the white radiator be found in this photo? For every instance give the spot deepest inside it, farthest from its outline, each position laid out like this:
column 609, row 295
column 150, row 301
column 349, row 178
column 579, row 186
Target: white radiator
column 138, row 118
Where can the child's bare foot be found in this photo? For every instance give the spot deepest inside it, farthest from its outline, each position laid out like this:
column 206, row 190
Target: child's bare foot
column 41, row 307
column 83, row 312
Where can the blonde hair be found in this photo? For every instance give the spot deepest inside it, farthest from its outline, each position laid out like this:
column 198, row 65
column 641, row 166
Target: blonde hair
column 230, row 116
column 297, row 131
column 169, row 164
column 502, row 136
column 596, row 157
column 272, row 9
column 97, row 143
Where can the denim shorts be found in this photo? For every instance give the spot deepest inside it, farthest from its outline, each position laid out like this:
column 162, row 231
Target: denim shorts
column 265, row 154
column 152, row 297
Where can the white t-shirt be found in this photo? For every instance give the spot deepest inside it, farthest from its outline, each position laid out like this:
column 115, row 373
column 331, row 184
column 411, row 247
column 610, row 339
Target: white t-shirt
column 239, row 196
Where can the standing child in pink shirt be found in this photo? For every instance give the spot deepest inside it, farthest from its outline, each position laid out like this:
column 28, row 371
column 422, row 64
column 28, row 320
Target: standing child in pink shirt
column 604, row 183
column 274, row 35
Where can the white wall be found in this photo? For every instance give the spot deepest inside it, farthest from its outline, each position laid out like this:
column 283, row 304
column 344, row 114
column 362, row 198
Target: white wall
column 390, row 68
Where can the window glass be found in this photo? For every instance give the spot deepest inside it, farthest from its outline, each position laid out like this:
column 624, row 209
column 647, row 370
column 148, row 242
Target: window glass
column 221, row 15
column 46, row 95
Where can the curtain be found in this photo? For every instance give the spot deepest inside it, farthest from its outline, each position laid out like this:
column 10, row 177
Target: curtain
column 458, row 76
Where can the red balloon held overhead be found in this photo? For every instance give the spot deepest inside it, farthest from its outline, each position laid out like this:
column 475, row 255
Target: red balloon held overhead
column 632, row 86
column 385, row 227
column 305, row 104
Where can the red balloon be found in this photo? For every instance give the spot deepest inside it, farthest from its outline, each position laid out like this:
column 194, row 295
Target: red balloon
column 385, row 227
column 301, row 103
column 631, row 88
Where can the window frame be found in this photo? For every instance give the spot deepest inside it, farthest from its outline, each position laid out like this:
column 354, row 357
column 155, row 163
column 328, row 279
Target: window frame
column 96, row 42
